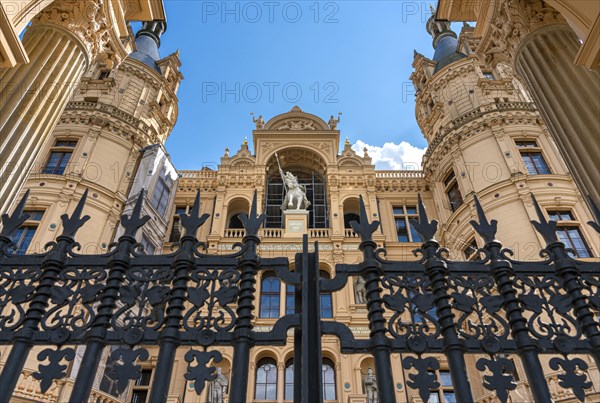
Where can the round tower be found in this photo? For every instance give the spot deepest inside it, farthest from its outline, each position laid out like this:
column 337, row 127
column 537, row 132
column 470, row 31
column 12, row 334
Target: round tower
column 487, row 138
column 101, row 139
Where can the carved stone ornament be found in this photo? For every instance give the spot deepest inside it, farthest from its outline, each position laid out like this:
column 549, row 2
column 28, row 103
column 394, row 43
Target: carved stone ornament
column 88, row 22
column 297, row 125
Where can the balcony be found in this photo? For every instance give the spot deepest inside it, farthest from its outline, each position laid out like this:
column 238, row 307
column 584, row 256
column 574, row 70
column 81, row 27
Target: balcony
column 275, row 233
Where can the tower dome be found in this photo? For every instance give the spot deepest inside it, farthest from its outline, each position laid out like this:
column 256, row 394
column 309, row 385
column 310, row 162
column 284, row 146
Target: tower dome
column 147, row 42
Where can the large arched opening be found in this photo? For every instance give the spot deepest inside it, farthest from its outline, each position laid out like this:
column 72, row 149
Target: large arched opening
column 309, row 168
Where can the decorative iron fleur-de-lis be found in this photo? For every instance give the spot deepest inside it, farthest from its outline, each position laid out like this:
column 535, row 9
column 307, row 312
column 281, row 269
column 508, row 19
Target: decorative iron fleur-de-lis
column 423, row 226
column 546, row 228
column 54, row 370
column 11, row 222
column 192, row 221
column 134, row 221
column 364, row 228
column 487, row 229
column 201, row 372
column 595, row 225
column 253, row 221
column 72, row 224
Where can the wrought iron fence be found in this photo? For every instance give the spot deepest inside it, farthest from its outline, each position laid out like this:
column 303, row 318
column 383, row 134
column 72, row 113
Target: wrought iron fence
column 488, row 308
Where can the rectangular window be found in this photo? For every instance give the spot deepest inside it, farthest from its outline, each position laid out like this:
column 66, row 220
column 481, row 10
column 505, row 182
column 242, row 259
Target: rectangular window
column 103, row 74
column 445, row 394
column 532, row 157
column 23, row 236
column 149, row 247
column 569, row 233
column 488, row 74
column 160, row 197
column 176, row 229
column 60, row 155
column 452, row 191
column 470, row 251
column 142, row 387
column 404, row 230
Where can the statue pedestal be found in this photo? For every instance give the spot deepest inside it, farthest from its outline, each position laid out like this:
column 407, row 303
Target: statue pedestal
column 295, row 223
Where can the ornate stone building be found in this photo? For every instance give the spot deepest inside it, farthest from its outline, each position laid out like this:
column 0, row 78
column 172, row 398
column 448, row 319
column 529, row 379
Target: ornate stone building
column 64, row 40
column 486, row 135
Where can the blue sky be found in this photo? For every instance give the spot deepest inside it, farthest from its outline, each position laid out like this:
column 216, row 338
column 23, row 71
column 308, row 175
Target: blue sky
column 265, row 57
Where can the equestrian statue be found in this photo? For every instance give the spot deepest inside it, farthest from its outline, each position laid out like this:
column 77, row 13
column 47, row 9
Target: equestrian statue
column 295, row 194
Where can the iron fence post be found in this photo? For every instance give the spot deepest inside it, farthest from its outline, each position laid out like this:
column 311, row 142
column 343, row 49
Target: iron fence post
column 565, row 268
column 502, row 272
column 169, row 338
column 312, row 377
column 96, row 336
column 436, row 271
column 242, row 335
column 372, row 272
column 51, row 268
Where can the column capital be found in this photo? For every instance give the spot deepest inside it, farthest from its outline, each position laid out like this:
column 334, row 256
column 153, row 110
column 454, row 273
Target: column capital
column 90, row 22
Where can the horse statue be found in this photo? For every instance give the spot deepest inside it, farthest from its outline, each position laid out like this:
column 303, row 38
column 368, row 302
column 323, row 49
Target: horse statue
column 295, row 196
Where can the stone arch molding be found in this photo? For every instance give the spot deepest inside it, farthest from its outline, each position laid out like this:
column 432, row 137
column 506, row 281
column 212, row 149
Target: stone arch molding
column 296, row 120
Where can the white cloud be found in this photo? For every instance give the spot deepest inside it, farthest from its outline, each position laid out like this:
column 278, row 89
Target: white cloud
column 391, row 155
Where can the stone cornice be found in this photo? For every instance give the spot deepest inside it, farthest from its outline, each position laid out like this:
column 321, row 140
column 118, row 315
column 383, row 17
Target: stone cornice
column 492, row 114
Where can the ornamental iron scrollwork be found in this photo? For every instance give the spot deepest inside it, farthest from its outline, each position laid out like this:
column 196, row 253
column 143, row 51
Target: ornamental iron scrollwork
column 427, row 308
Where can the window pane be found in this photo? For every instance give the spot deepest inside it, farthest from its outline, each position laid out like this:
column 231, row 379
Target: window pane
column 52, row 162
column 434, row 398
column 415, row 235
column 398, row 211
column 411, row 210
column 445, row 378
column 449, row 397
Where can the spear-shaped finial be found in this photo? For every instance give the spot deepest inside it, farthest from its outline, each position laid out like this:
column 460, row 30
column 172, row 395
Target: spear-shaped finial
column 191, row 222
column 596, row 211
column 253, row 221
column 134, row 221
column 14, row 221
column 424, row 227
column 364, row 228
column 72, row 224
column 487, row 229
column 546, row 228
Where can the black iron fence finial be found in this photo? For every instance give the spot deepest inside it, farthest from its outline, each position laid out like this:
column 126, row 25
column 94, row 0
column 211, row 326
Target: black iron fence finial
column 253, row 221
column 487, row 229
column 192, row 221
column 11, row 222
column 546, row 228
column 364, row 228
column 133, row 222
column 423, row 226
column 72, row 224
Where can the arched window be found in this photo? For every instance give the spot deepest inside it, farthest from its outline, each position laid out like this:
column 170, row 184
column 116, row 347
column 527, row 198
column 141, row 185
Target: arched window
column 326, row 299
column 349, row 217
column 328, row 377
column 235, row 222
column 269, row 296
column 328, row 380
column 289, row 380
column 266, row 380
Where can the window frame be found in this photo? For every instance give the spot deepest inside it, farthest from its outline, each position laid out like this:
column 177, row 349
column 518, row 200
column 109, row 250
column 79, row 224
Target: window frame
column 161, row 203
column 470, row 244
column 530, row 148
column 64, row 152
column 176, row 227
column 566, row 225
column 271, row 295
column 451, row 186
column 137, row 387
column 263, row 362
column 31, row 224
column 406, row 216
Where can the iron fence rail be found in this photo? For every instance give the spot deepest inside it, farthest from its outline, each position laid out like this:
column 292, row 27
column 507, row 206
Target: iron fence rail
column 425, row 308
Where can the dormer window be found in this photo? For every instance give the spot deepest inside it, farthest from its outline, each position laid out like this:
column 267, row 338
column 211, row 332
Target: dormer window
column 488, row 74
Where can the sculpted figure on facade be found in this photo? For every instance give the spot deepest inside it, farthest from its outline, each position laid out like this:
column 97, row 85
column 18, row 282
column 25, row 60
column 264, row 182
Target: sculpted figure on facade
column 260, row 122
column 219, row 387
column 333, row 122
column 371, row 387
column 359, row 290
column 295, row 194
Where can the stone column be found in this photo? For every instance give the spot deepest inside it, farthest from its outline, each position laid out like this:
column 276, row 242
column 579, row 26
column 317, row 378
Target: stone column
column 568, row 98
column 61, row 42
